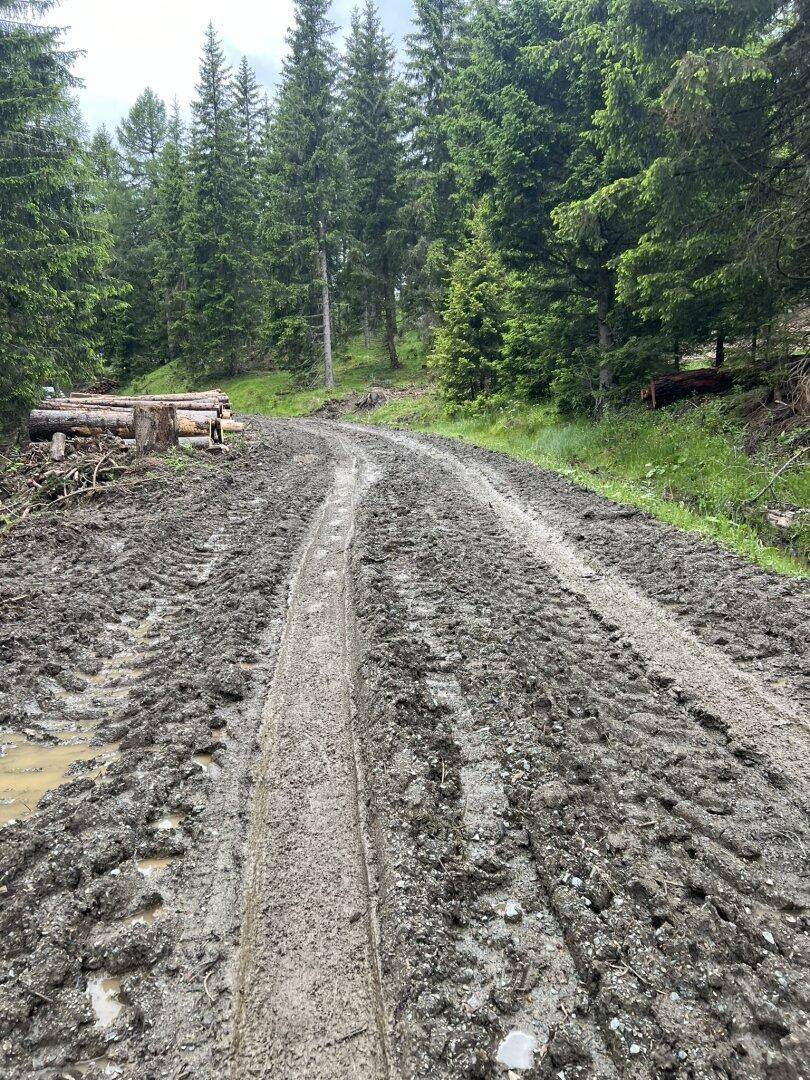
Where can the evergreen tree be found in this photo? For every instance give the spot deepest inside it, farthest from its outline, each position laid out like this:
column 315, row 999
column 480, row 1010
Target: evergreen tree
column 172, row 208
column 373, row 165
column 435, row 54
column 213, row 244
column 250, row 112
column 55, row 241
column 469, row 344
column 141, row 136
column 301, row 177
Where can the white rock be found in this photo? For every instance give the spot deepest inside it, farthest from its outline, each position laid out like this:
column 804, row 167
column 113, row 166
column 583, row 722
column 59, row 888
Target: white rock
column 769, row 937
column 517, row 1050
column 636, row 1049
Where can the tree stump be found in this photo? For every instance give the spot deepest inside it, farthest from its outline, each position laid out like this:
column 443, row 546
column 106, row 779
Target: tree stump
column 155, row 428
column 58, row 446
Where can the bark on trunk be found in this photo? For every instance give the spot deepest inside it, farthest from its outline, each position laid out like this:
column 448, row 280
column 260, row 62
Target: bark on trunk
column 604, row 298
column 328, row 372
column 720, row 350
column 366, row 326
column 44, row 423
column 669, row 388
column 155, row 428
column 391, row 322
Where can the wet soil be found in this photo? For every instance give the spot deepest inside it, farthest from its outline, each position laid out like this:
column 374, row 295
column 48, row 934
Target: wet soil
column 411, row 761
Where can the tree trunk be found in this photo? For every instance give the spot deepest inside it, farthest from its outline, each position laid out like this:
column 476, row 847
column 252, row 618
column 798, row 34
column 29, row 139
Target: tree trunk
column 328, row 372
column 668, row 388
column 720, row 350
column 366, row 326
column 390, row 301
column 754, row 342
column 155, row 428
column 45, row 423
column 604, row 300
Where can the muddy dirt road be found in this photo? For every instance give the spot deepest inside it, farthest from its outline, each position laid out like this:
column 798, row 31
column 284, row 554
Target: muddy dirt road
column 367, row 756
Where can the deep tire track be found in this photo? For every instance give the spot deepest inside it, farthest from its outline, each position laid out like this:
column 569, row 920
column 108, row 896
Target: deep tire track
column 307, row 994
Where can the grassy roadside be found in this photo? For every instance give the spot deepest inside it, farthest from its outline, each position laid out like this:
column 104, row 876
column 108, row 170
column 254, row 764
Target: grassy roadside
column 686, row 467
column 278, row 393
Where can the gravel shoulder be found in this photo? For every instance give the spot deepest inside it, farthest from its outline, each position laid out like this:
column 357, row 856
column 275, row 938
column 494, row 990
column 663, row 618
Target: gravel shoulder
column 400, row 759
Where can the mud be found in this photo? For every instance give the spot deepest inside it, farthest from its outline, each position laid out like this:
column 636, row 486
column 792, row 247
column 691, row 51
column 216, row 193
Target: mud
column 440, row 767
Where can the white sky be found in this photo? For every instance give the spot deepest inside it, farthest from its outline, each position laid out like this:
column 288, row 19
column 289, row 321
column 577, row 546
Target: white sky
column 157, row 43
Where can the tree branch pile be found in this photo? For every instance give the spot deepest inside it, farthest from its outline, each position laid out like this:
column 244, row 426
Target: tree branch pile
column 33, row 482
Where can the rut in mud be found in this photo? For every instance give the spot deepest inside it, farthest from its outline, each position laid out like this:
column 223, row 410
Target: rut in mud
column 415, row 762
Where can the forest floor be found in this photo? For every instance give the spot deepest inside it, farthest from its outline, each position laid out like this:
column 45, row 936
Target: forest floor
column 363, row 754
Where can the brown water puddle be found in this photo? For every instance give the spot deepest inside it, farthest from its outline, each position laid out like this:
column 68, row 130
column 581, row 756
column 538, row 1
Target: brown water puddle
column 151, row 867
column 169, row 822
column 29, row 770
column 104, row 999
column 144, row 918
column 83, row 1068
column 207, row 764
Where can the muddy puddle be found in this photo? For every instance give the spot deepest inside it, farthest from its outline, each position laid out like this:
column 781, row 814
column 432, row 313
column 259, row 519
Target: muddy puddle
column 104, row 997
column 29, row 770
column 101, row 1065
column 169, row 822
column 207, row 764
column 153, row 866
column 147, row 917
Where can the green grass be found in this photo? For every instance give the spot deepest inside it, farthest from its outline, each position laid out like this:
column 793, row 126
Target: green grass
column 683, row 466
column 278, row 393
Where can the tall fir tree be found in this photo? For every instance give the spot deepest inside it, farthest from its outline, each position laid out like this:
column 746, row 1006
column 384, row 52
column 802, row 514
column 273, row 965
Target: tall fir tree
column 436, row 52
column 301, row 180
column 141, row 136
column 373, row 158
column 55, row 241
column 172, row 209
column 213, row 245
column 250, row 114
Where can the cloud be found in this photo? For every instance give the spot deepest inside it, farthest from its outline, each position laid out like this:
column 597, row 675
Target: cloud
column 157, row 43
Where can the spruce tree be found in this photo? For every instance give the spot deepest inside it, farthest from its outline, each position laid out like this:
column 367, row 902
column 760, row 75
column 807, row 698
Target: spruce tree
column 373, row 166
column 141, row 136
column 469, row 344
column 435, row 55
column 55, row 241
column 172, row 207
column 250, row 111
column 301, row 176
column 213, row 245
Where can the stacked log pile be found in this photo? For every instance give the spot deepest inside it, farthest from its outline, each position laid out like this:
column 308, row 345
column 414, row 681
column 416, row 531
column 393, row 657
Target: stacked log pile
column 152, row 422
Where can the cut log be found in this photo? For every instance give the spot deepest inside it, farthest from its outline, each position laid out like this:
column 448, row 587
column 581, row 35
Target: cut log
column 155, row 428
column 231, row 426
column 68, row 405
column 668, row 388
column 191, row 395
column 44, row 423
column 58, row 442
column 189, row 404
